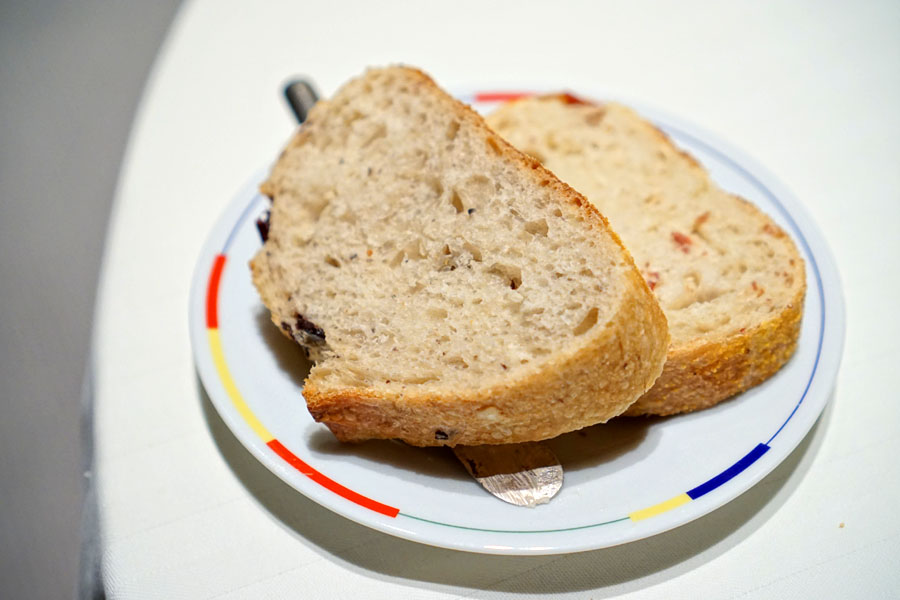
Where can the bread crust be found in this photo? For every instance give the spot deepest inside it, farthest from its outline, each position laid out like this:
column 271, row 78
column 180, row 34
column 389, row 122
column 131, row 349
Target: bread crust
column 703, row 372
column 592, row 383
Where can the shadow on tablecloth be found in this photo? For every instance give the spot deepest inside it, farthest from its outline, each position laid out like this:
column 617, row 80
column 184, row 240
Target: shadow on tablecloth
column 609, row 571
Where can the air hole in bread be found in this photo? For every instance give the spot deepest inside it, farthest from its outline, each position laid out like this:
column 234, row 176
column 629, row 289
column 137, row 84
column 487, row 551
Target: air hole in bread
column 436, row 186
column 301, row 239
column 437, row 313
column 457, row 362
column 557, row 213
column 537, row 227
column 452, row 130
column 348, row 217
column 513, row 307
column 594, row 117
column 448, row 262
column 588, row 322
column 476, row 191
column 320, row 202
column 378, row 132
column 511, row 273
column 489, row 413
column 474, row 250
column 419, row 158
column 352, row 116
column 415, row 249
column 456, row 201
column 321, row 140
column 357, row 334
column 692, row 297
column 691, row 281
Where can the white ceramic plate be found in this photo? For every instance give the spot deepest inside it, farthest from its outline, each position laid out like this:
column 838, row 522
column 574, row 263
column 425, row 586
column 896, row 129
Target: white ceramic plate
column 624, row 481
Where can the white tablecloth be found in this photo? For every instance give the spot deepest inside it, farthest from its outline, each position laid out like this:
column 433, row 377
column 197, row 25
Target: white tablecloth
column 810, row 89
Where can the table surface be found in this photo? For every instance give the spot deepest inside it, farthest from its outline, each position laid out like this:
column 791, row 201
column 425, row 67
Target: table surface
column 809, row 90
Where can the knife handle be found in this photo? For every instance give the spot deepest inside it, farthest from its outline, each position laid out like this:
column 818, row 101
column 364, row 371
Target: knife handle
column 301, row 96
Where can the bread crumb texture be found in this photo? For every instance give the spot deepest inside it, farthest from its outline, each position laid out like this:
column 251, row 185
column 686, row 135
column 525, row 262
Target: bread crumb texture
column 450, row 289
column 729, row 279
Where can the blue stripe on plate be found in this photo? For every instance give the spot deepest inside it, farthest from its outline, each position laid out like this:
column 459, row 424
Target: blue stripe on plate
column 729, row 473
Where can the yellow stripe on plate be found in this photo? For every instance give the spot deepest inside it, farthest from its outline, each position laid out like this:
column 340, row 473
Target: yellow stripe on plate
column 215, row 344
column 656, row 509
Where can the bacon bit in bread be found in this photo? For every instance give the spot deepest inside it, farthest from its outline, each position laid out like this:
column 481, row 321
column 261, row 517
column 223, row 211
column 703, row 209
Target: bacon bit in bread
column 683, row 241
column 758, row 289
column 699, row 221
column 369, row 252
column 572, row 99
column 773, row 230
column 652, row 279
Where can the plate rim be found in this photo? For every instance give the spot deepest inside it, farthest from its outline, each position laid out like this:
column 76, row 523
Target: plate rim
column 286, row 466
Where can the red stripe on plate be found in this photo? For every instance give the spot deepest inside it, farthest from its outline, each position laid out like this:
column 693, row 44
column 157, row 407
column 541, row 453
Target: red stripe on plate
column 212, row 293
column 499, row 96
column 330, row 484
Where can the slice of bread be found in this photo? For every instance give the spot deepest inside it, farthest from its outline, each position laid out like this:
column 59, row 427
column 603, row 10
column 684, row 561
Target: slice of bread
column 449, row 288
column 730, row 281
